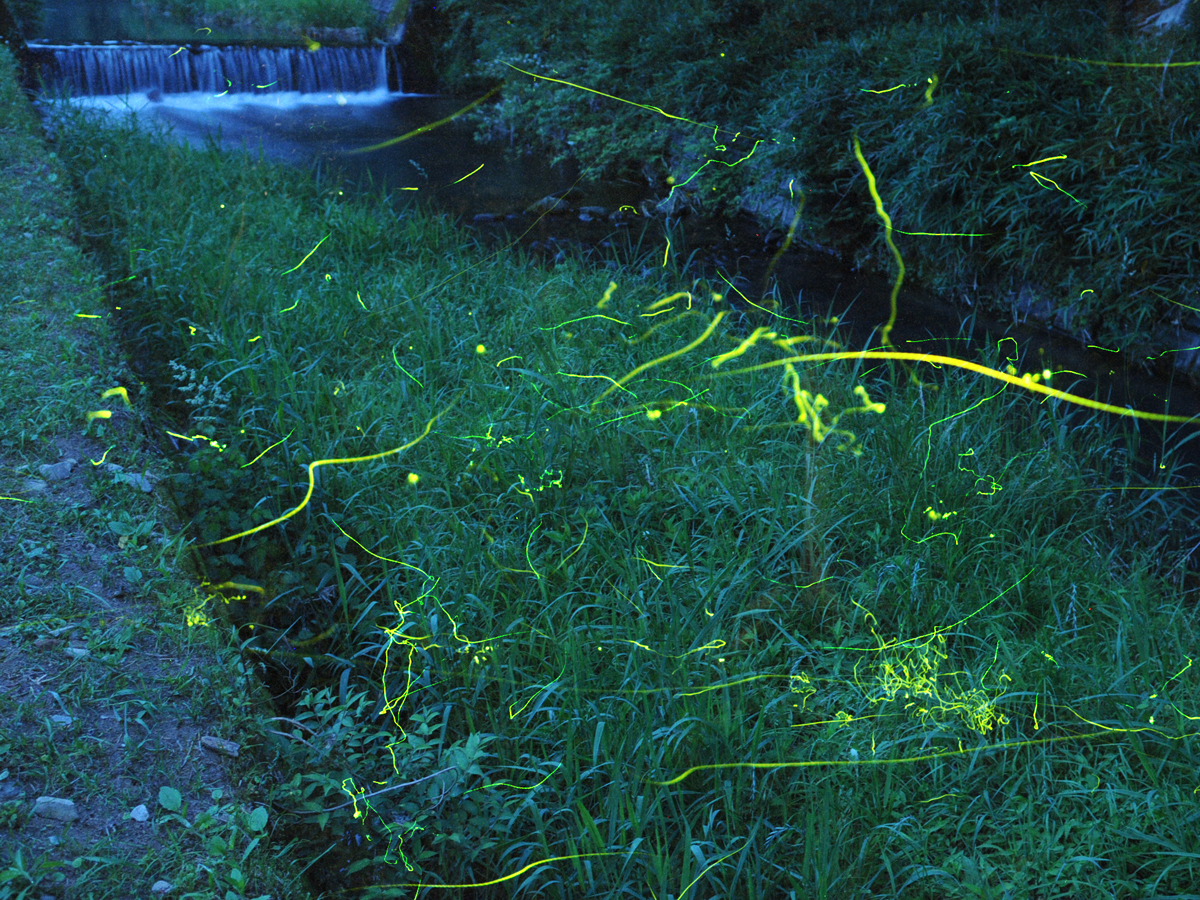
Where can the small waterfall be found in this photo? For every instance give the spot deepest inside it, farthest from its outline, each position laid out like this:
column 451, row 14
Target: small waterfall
column 126, row 67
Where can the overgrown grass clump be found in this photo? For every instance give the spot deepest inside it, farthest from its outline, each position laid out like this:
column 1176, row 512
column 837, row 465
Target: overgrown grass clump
column 1101, row 229
column 274, row 15
column 955, row 646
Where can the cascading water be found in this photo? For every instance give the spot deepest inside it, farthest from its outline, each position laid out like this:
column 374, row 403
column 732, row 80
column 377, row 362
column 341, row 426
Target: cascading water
column 127, row 67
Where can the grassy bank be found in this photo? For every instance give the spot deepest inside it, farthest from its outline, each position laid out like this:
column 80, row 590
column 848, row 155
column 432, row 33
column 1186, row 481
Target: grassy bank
column 568, row 599
column 1022, row 144
column 105, row 690
column 275, row 17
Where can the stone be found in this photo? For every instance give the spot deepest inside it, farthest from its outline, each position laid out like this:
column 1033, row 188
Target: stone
column 674, row 204
column 59, row 470
column 1030, row 305
column 55, row 808
column 141, row 482
column 551, row 205
column 484, row 217
column 161, row 888
column 140, row 814
column 218, row 745
column 1170, row 17
column 1186, row 345
column 394, row 15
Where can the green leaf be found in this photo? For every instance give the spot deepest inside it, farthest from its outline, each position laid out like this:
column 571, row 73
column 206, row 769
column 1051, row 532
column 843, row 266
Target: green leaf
column 359, row 865
column 249, row 849
column 169, row 798
column 258, row 819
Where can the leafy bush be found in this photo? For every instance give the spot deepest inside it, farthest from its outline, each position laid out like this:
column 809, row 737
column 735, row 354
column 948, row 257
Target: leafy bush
column 763, row 100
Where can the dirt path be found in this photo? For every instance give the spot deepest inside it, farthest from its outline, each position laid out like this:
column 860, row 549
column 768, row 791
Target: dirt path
column 120, row 711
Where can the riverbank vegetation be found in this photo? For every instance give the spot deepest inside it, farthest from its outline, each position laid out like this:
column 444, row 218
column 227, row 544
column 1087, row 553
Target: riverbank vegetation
column 565, row 589
column 1022, row 145
column 274, row 17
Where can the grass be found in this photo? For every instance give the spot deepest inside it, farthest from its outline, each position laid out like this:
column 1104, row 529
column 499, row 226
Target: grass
column 272, row 16
column 537, row 646
column 90, row 564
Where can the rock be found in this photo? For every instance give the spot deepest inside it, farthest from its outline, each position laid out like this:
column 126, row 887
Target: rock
column 1030, row 305
column 217, row 745
column 140, row 814
column 62, row 721
column 1171, row 17
column 55, row 808
column 551, row 205
column 161, row 887
column 485, row 217
column 141, row 482
column 394, row 15
column 34, row 485
column 59, row 470
column 47, row 643
column 598, row 212
column 1187, row 347
column 77, row 652
column 674, row 204
column 154, row 95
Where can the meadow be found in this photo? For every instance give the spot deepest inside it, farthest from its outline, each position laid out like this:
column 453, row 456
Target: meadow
column 569, row 588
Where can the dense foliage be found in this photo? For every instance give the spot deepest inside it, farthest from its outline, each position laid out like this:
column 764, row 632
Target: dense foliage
column 270, row 17
column 764, row 99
